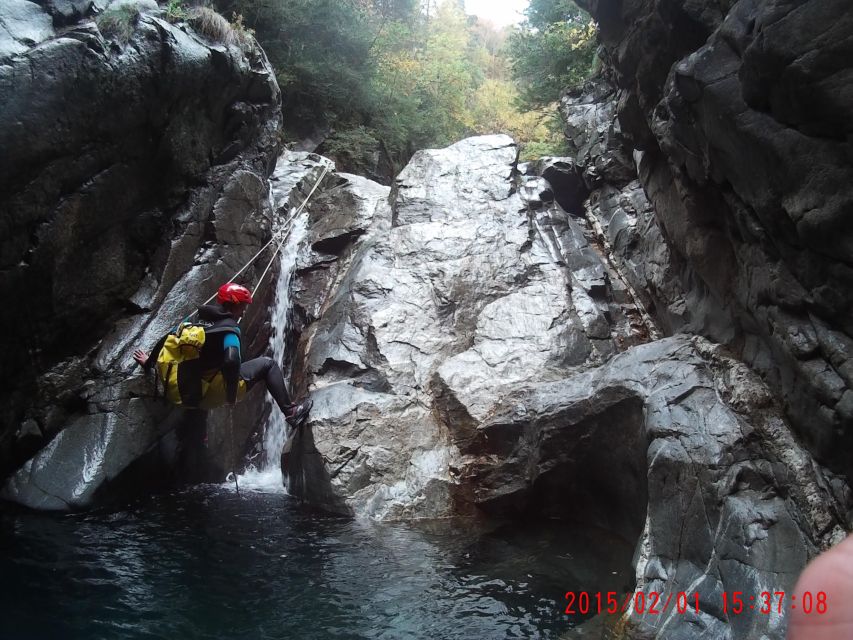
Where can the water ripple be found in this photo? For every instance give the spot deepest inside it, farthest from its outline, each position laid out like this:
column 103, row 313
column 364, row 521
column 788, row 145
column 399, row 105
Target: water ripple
column 207, row 563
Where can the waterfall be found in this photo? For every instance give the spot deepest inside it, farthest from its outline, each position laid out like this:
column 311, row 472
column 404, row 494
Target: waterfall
column 265, row 474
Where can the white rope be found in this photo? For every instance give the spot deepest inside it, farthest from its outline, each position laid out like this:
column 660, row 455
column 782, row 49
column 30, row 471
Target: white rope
column 275, row 253
column 290, row 223
column 246, row 266
column 283, row 233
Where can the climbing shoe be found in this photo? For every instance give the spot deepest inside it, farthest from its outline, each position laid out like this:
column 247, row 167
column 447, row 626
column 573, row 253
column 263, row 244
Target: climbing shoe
column 297, row 413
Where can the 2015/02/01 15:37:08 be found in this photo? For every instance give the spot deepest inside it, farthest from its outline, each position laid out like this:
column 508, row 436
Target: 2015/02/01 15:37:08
column 653, row 603
column 766, row 602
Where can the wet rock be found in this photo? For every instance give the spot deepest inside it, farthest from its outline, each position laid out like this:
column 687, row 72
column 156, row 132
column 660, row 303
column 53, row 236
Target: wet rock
column 737, row 108
column 565, row 180
column 119, row 222
column 711, row 482
column 438, row 391
column 428, row 308
column 594, row 135
column 84, row 456
column 486, row 356
column 22, row 25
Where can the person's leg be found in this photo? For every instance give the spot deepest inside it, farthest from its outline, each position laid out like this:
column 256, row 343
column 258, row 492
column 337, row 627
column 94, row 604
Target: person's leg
column 268, row 371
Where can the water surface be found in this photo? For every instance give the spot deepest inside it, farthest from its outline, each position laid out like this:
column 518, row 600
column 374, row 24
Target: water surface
column 208, row 563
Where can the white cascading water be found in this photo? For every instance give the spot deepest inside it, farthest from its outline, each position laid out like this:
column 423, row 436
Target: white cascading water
column 264, row 475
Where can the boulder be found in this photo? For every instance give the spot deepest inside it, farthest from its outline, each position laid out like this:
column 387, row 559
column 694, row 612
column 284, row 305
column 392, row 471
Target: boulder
column 680, row 447
column 421, row 307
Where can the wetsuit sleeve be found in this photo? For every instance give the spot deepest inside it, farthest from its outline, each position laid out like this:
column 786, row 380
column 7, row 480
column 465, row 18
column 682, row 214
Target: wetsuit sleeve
column 231, row 366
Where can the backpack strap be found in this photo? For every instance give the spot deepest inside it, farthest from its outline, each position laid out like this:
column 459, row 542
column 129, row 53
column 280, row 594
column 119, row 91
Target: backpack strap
column 155, row 353
column 159, row 386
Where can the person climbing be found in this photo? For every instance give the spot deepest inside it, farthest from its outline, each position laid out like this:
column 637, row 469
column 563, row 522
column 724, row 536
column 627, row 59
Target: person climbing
column 218, row 376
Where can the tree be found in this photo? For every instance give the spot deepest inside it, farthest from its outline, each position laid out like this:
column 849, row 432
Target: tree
column 321, row 52
column 554, row 48
column 388, row 77
column 425, row 77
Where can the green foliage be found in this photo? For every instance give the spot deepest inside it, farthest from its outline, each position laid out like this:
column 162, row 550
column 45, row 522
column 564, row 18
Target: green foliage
column 354, row 148
column 320, row 51
column 548, row 140
column 552, row 50
column 536, row 149
column 118, row 24
column 495, row 110
column 424, row 81
column 392, row 76
column 177, row 11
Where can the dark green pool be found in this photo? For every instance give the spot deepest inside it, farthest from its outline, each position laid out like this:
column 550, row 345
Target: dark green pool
column 207, row 563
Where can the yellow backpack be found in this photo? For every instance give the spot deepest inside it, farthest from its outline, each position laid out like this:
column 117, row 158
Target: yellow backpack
column 178, row 366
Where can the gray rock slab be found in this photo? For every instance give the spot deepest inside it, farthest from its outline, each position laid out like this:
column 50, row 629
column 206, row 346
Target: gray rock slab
column 23, row 24
column 455, row 287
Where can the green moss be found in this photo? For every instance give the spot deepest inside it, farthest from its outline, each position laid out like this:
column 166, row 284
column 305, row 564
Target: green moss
column 177, row 11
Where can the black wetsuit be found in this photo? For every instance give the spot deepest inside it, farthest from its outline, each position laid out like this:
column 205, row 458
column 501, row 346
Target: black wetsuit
column 222, row 352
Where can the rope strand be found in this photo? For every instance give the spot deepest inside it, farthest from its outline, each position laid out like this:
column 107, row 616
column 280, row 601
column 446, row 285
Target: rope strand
column 290, row 222
column 233, row 460
column 283, row 234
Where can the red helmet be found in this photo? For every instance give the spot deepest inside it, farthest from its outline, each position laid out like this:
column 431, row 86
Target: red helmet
column 233, row 293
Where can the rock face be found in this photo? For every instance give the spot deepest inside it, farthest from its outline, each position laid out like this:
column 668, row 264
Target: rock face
column 471, row 348
column 738, row 112
column 420, row 313
column 679, row 446
column 133, row 180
